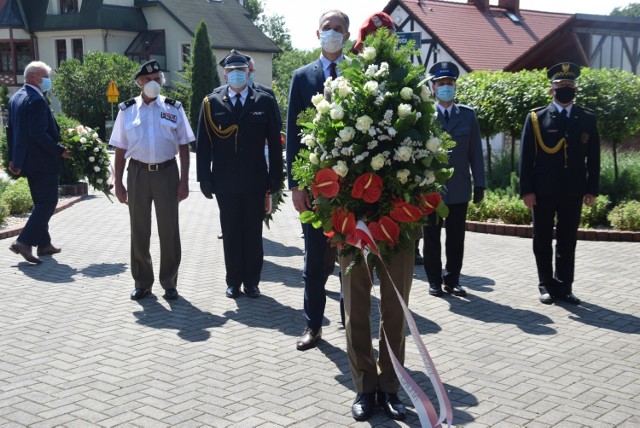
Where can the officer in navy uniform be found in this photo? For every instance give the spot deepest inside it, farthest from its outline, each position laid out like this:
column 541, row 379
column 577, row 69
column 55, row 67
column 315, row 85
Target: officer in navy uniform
column 467, row 161
column 150, row 130
column 559, row 169
column 235, row 120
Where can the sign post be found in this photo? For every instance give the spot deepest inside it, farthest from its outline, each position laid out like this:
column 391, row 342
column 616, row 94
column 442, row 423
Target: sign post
column 112, row 96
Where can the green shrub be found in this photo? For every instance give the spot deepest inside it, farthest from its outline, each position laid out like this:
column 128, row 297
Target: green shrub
column 596, row 214
column 4, row 211
column 503, row 206
column 626, row 216
column 18, row 197
column 628, row 186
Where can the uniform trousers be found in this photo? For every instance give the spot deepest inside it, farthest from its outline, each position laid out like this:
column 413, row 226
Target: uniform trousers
column 454, row 226
column 369, row 376
column 44, row 193
column 566, row 209
column 160, row 187
column 319, row 262
column 241, row 216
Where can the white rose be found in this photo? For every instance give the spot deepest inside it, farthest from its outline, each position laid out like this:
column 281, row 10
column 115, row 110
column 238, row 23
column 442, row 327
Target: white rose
column 99, row 180
column 341, row 168
column 404, row 153
column 429, row 177
column 403, row 175
column 404, row 110
column 96, row 149
column 313, row 158
column 336, row 113
column 371, row 86
column 369, row 53
column 344, row 89
column 308, row 141
column 377, row 162
column 347, row 133
column 316, row 99
column 425, row 94
column 406, row 93
column 323, row 107
column 95, row 135
column 363, row 123
column 83, row 140
column 96, row 168
column 433, row 144
column 92, row 159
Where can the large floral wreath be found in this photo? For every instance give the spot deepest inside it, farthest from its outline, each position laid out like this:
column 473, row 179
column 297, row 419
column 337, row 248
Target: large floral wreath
column 374, row 151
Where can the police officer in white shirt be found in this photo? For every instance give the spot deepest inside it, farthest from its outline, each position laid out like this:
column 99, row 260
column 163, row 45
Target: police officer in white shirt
column 149, row 131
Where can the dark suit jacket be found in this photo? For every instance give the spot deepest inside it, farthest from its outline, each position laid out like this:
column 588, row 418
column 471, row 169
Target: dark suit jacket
column 236, row 163
column 466, row 157
column 550, row 174
column 33, row 134
column 305, row 83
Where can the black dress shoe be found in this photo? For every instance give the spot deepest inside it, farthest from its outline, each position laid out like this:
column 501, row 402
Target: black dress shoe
column 308, row 338
column 140, row 293
column 252, row 291
column 363, row 405
column 570, row 298
column 435, row 290
column 233, row 292
column 546, row 298
column 391, row 405
column 25, row 251
column 456, row 290
column 171, row 294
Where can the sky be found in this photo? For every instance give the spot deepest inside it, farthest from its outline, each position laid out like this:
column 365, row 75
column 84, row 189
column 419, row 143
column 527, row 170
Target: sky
column 301, row 16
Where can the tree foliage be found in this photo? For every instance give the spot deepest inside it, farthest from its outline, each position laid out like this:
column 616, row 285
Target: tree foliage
column 82, row 87
column 283, row 67
column 203, row 74
column 631, row 10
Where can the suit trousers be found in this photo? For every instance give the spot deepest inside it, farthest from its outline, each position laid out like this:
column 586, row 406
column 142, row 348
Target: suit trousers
column 44, row 192
column 160, row 187
column 241, row 216
column 454, row 225
column 319, row 263
column 567, row 209
column 367, row 375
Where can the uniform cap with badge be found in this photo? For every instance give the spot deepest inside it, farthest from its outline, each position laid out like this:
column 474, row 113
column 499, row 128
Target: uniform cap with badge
column 235, row 59
column 149, row 67
column 563, row 71
column 444, row 69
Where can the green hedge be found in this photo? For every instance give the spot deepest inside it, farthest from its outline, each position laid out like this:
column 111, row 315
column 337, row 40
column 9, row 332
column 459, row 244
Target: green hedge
column 17, row 197
column 626, row 216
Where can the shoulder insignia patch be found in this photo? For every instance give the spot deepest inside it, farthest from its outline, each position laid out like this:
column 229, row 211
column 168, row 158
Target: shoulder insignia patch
column 126, row 104
column 175, row 103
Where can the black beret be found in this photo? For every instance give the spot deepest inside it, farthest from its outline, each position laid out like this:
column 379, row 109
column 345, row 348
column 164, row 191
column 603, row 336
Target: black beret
column 443, row 69
column 563, row 71
column 235, row 59
column 148, row 67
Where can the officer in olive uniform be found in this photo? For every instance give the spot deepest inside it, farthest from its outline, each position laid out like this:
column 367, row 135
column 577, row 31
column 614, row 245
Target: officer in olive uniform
column 235, row 120
column 559, row 169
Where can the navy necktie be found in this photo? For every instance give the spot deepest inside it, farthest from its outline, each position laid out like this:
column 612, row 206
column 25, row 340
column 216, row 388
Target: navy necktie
column 332, row 70
column 238, row 105
column 446, row 116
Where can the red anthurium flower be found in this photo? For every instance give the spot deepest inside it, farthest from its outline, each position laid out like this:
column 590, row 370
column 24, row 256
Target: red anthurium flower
column 404, row 212
column 343, row 221
column 385, row 230
column 326, row 183
column 368, row 187
column 429, row 202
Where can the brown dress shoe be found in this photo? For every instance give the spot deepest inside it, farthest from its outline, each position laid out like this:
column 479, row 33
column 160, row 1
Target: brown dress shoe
column 25, row 251
column 48, row 250
column 308, row 338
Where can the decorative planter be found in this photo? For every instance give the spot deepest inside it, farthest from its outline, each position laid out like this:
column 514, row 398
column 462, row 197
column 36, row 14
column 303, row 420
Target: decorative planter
column 76, row 189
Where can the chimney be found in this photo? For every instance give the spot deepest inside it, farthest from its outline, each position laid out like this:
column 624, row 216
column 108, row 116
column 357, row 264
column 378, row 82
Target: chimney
column 510, row 5
column 483, row 5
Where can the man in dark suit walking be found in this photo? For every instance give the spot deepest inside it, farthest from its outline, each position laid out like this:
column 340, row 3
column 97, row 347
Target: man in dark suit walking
column 559, row 169
column 466, row 160
column 235, row 120
column 35, row 152
column 319, row 257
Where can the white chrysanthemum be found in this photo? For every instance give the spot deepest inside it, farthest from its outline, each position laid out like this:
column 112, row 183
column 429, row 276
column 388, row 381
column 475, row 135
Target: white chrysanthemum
column 371, row 70
column 92, row 159
column 363, row 123
column 369, row 53
column 313, row 158
column 406, row 93
column 383, row 71
column 377, row 162
column 336, row 112
column 341, row 168
column 323, row 106
column 404, row 153
column 96, row 168
column 403, row 175
column 392, row 131
column 372, row 144
column 347, row 133
column 371, row 87
column 433, row 144
column 404, row 110
column 429, row 177
column 425, row 94
column 308, row 141
column 316, row 99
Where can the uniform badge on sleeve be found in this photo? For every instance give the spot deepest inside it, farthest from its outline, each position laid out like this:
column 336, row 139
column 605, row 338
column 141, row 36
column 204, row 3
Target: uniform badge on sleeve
column 584, row 138
column 168, row 116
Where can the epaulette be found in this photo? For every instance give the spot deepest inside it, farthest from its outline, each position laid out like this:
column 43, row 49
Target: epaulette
column 465, row 106
column 175, row 103
column 538, row 108
column 126, row 104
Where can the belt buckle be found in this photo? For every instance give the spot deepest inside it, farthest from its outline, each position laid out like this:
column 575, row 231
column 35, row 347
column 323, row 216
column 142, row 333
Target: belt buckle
column 153, row 167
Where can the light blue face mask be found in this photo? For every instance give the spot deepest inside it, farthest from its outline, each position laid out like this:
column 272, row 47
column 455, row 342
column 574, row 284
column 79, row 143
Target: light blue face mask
column 331, row 41
column 445, row 93
column 237, row 78
column 45, row 85
column 251, row 79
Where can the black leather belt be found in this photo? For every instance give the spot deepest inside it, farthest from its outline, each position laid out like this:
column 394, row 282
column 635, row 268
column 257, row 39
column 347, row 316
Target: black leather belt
column 153, row 166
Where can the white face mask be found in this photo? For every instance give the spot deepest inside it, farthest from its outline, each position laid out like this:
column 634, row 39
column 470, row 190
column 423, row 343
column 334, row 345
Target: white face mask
column 331, row 41
column 151, row 89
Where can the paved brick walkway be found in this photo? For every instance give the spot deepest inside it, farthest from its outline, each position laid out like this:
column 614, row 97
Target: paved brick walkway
column 75, row 351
